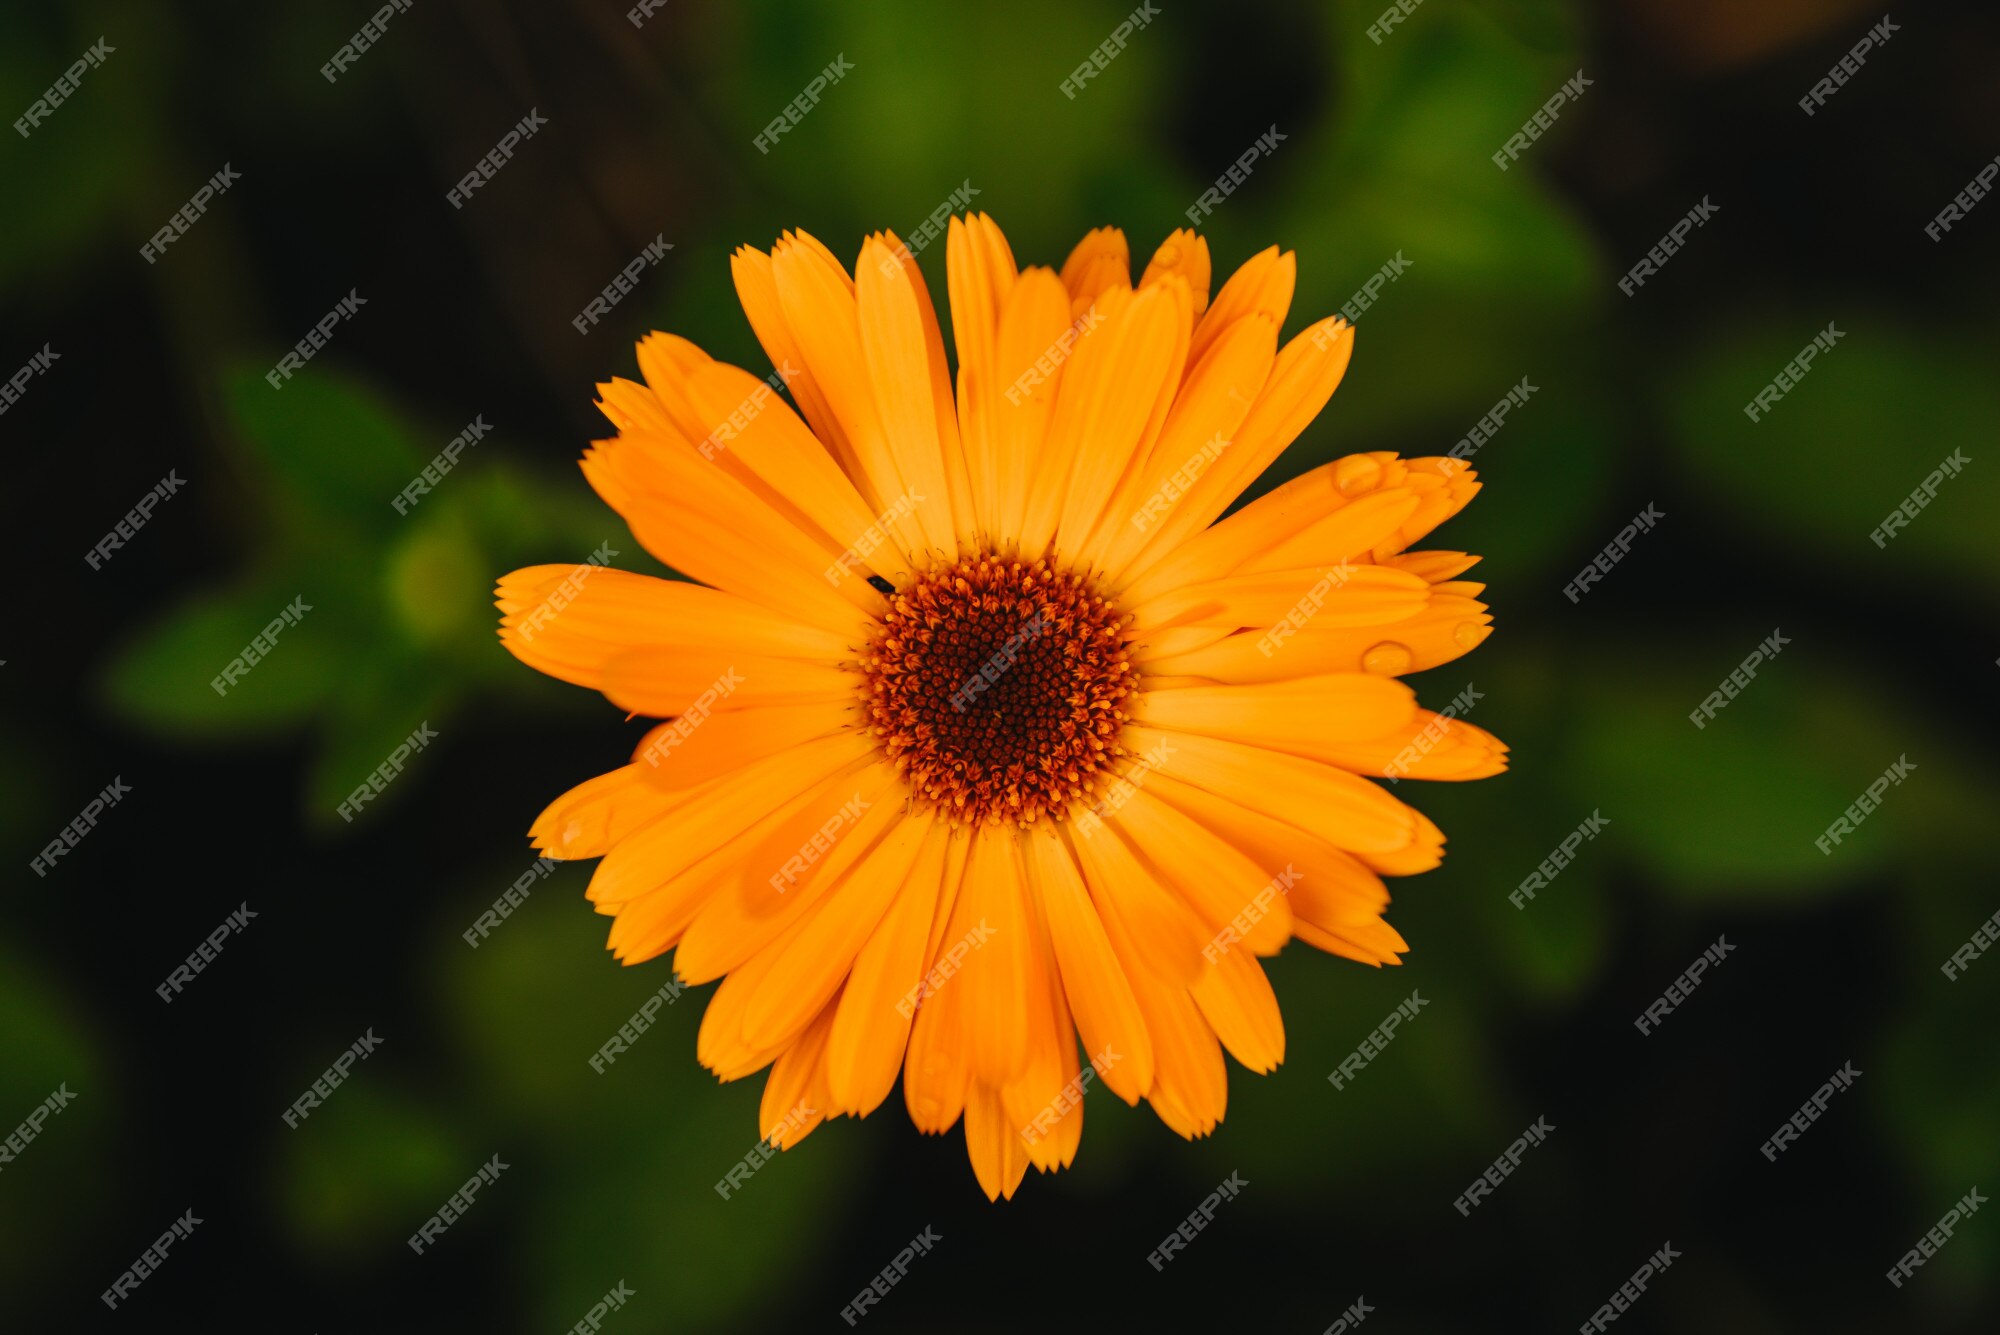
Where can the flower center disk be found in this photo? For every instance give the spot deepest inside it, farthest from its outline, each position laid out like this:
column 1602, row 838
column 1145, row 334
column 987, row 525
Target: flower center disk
column 998, row 686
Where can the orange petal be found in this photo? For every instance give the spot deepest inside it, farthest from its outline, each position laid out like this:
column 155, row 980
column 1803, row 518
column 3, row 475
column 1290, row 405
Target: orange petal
column 1099, row 992
column 1185, row 253
column 1302, row 716
column 872, row 1029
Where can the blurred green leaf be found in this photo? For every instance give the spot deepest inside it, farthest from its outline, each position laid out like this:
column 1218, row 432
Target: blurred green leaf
column 1896, row 401
column 369, row 1165
column 163, row 679
column 1732, row 810
column 380, row 706
column 332, row 442
column 57, row 1182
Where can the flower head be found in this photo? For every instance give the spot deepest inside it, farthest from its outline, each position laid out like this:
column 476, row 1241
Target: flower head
column 984, row 731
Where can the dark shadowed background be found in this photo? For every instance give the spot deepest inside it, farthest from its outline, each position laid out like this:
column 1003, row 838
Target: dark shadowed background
column 1836, row 957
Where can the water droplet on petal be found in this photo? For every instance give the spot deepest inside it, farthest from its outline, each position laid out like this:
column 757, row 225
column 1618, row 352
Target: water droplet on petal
column 1386, row 659
column 1357, row 473
column 1470, row 633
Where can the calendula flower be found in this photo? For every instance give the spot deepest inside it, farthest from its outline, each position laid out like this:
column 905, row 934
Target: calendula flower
column 984, row 732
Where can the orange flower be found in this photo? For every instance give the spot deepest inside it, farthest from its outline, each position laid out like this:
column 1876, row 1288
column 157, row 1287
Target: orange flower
column 983, row 733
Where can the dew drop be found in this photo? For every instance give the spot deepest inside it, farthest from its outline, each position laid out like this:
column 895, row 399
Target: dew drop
column 1357, row 473
column 1386, row 659
column 1469, row 633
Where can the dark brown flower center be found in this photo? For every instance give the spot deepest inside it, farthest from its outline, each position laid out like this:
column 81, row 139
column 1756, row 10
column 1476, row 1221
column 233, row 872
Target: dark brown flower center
column 997, row 688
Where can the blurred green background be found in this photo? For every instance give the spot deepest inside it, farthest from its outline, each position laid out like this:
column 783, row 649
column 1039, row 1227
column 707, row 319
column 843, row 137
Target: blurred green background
column 1387, row 152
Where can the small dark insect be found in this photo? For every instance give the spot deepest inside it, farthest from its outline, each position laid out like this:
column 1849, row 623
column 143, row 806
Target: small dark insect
column 882, row 584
